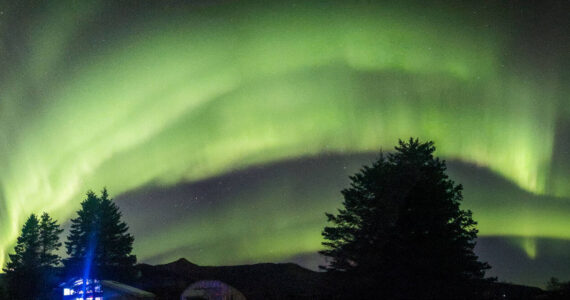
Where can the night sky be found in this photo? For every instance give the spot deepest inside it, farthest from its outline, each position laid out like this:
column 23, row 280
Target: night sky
column 225, row 129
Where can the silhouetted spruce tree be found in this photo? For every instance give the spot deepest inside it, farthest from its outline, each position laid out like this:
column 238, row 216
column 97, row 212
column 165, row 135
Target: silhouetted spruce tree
column 31, row 272
column 48, row 259
column 22, row 267
column 49, row 241
column 401, row 229
column 98, row 244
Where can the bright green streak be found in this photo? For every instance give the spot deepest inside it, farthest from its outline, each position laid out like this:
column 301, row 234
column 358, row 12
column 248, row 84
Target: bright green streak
column 189, row 96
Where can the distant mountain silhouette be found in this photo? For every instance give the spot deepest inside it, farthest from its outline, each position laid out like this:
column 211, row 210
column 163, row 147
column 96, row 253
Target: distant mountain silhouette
column 181, row 266
column 285, row 281
column 258, row 281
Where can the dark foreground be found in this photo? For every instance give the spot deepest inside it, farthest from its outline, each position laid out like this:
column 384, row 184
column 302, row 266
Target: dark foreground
column 290, row 281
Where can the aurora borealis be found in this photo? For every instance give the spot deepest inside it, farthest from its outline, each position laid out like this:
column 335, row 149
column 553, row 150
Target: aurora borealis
column 225, row 129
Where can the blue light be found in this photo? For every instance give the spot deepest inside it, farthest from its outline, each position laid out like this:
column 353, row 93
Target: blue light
column 83, row 289
column 88, row 263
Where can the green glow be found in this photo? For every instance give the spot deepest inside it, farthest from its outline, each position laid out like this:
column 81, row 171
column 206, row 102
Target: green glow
column 530, row 247
column 527, row 244
column 188, row 95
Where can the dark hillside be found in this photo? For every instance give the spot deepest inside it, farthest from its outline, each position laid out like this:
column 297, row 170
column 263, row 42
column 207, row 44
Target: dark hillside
column 258, row 281
column 290, row 281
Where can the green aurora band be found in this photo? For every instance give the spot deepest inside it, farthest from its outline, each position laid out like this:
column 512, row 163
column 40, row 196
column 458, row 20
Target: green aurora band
column 184, row 94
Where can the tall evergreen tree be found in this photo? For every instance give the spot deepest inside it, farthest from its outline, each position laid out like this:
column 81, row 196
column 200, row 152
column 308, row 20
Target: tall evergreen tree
column 81, row 235
column 99, row 244
column 22, row 267
column 49, row 232
column 49, row 275
column 27, row 248
column 402, row 228
column 30, row 271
